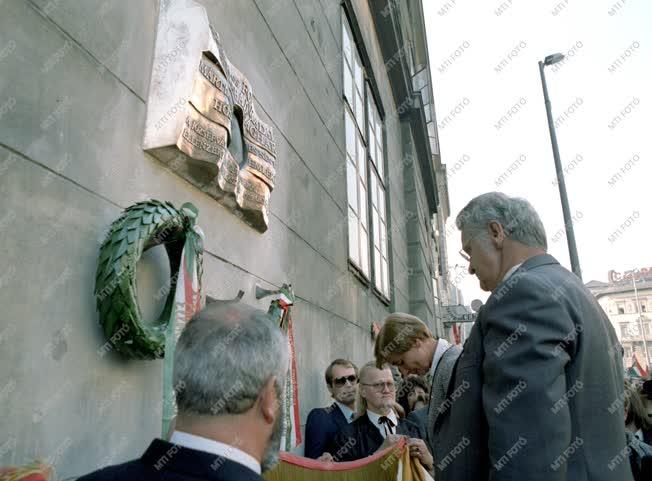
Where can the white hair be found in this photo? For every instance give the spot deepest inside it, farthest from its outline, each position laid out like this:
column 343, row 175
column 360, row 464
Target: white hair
column 225, row 356
column 517, row 216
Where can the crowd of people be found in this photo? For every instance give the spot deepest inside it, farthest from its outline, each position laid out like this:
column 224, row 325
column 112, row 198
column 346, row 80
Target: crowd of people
column 536, row 393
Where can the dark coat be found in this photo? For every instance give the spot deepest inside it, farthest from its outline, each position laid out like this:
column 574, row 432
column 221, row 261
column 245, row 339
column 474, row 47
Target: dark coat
column 420, row 418
column 535, row 394
column 321, row 427
column 362, row 438
column 164, row 461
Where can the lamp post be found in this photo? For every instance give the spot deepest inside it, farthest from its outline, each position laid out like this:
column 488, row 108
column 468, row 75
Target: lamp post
column 568, row 221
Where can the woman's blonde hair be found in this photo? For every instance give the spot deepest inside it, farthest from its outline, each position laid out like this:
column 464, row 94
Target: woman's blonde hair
column 398, row 334
column 635, row 412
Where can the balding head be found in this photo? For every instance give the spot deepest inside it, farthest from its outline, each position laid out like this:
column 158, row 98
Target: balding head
column 224, row 357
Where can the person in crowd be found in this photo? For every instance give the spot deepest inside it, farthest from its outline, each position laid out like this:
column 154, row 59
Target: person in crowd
column 636, row 419
column 413, row 393
column 377, row 425
column 228, row 424
column 640, row 452
column 413, row 396
column 541, row 360
column 323, row 423
column 406, row 342
column 646, row 396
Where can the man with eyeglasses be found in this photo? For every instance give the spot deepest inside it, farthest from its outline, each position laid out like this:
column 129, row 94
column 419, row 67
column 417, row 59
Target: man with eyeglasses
column 532, row 394
column 323, row 423
column 377, row 425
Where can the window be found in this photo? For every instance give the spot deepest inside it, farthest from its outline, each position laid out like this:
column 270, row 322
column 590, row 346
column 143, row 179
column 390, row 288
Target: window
column 353, row 75
column 628, row 353
column 356, row 187
column 621, row 308
column 377, row 183
column 643, row 307
column 365, row 170
column 624, row 332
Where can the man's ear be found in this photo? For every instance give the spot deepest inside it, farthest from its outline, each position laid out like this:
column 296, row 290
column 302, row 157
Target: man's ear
column 269, row 403
column 330, row 389
column 497, row 233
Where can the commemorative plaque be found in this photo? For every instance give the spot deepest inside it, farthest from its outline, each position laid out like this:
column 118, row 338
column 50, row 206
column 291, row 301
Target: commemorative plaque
column 201, row 121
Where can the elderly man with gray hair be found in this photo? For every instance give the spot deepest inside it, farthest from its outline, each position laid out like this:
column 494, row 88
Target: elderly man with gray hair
column 229, row 366
column 533, row 391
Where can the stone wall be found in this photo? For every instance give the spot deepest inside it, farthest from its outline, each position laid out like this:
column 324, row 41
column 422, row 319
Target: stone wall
column 73, row 86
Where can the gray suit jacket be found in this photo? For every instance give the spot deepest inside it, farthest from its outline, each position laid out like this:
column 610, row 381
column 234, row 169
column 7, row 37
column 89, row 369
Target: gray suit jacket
column 537, row 392
column 438, row 389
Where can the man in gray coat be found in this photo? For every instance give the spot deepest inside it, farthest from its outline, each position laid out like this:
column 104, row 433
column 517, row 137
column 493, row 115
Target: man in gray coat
column 406, row 342
column 537, row 392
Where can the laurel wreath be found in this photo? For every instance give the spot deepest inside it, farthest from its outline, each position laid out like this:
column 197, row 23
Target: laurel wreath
column 141, row 227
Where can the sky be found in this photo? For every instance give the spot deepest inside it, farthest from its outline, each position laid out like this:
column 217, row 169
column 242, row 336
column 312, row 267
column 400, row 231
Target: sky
column 493, row 130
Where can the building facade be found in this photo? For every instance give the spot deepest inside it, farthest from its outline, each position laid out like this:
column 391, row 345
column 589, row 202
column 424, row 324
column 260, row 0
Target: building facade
column 346, row 88
column 628, row 303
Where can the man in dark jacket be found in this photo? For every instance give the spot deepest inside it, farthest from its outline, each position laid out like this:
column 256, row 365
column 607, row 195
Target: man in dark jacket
column 537, row 392
column 229, row 366
column 323, row 423
column 377, row 426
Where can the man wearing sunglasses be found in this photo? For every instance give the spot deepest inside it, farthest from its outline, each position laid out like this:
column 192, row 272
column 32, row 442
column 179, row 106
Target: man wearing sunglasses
column 323, row 423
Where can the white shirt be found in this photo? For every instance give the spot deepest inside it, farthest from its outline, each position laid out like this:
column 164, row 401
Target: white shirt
column 373, row 417
column 215, row 447
column 511, row 271
column 349, row 415
column 442, row 345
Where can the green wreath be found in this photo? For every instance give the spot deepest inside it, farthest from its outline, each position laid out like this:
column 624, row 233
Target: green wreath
column 140, row 227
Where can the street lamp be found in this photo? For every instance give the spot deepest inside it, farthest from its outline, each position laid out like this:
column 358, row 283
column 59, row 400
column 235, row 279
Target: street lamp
column 568, row 221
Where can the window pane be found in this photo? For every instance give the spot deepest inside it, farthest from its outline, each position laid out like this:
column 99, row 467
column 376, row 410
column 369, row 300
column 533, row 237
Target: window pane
column 357, row 70
column 369, row 113
column 348, row 84
column 381, row 203
column 346, row 41
column 364, row 251
column 380, row 160
column 354, row 247
column 382, row 227
column 372, row 145
column 360, row 161
column 376, row 228
column 359, row 111
column 363, row 205
column 349, row 132
column 351, row 186
column 372, row 186
column 378, row 273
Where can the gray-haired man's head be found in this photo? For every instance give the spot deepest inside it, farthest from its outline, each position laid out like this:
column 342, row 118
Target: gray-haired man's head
column 224, row 361
column 496, row 230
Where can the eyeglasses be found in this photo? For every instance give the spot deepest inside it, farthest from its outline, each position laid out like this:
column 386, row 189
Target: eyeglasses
column 379, row 386
column 341, row 381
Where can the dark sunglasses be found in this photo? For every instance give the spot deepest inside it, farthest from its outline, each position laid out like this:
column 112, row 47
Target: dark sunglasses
column 341, row 381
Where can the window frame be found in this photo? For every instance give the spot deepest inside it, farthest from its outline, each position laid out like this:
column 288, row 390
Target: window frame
column 374, row 165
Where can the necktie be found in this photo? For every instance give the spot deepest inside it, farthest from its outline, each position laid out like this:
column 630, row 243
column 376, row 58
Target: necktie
column 387, row 423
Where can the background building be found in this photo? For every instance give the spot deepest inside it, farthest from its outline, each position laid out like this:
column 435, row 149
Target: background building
column 345, row 86
column 630, row 312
